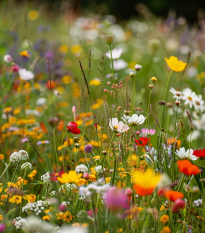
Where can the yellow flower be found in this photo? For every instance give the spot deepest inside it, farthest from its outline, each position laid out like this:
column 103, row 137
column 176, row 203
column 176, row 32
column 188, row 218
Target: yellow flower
column 174, row 64
column 16, row 199
column 67, row 216
column 107, row 180
column 8, row 109
column 161, row 208
column 30, row 198
column 153, row 79
column 17, row 111
column 66, row 79
column 164, row 218
column 98, row 104
column 63, row 49
column 1, row 218
column 1, row 156
column 76, row 49
column 165, row 230
column 96, row 157
column 4, row 197
column 24, row 53
column 95, row 82
column 32, row 174
column 71, row 177
column 33, row 15
column 119, row 230
column 46, row 218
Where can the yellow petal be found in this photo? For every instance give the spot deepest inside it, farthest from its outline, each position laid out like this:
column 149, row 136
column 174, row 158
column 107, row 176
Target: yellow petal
column 174, row 64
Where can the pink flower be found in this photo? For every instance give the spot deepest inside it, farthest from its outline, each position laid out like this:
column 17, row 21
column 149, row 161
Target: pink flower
column 108, row 83
column 62, row 207
column 15, row 68
column 148, row 131
column 90, row 212
column 178, row 205
column 115, row 199
column 105, row 90
column 7, row 58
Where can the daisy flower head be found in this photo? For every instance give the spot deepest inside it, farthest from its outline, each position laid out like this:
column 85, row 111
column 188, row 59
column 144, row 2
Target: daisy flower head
column 199, row 103
column 118, row 127
column 176, row 94
column 116, row 53
column 183, row 154
column 134, row 120
column 189, row 97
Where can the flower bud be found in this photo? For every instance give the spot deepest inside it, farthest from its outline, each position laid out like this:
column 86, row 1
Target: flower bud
column 109, row 39
column 177, row 102
column 131, row 74
column 104, row 152
column 153, row 79
column 7, row 58
column 138, row 67
column 178, row 204
column 2, row 227
column 151, row 86
column 15, row 68
column 88, row 148
column 86, row 175
column 76, row 139
column 74, row 109
column 128, row 192
column 77, row 145
column 126, row 112
column 62, row 208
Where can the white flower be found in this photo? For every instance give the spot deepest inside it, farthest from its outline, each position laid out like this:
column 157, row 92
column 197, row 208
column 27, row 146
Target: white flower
column 32, row 112
column 177, row 94
column 182, row 154
column 74, row 229
column 138, row 67
column 198, row 202
column 134, row 119
column 194, row 135
column 46, row 177
column 19, row 222
column 116, row 53
column 98, row 169
column 199, row 103
column 25, row 74
column 81, row 168
column 189, row 97
column 119, row 64
column 26, row 165
column 18, row 156
column 7, row 58
column 41, row 101
column 118, row 127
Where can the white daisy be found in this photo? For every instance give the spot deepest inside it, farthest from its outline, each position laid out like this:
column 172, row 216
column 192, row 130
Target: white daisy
column 189, row 97
column 199, row 103
column 25, row 74
column 116, row 53
column 177, row 94
column 119, row 64
column 134, row 119
column 118, row 127
column 182, row 154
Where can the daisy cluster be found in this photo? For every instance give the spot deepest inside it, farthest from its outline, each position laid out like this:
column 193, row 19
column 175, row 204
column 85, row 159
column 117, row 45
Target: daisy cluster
column 81, row 168
column 26, row 165
column 19, row 223
column 189, row 97
column 19, row 156
column 46, row 178
column 36, row 208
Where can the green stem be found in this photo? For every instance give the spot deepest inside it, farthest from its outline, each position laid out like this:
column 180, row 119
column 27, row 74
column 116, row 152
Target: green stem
column 109, row 150
column 5, row 169
column 62, row 150
column 148, row 108
column 181, row 180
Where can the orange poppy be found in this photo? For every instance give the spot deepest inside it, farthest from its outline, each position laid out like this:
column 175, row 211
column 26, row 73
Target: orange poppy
column 173, row 195
column 43, row 127
column 142, row 191
column 60, row 125
column 186, row 167
column 50, row 84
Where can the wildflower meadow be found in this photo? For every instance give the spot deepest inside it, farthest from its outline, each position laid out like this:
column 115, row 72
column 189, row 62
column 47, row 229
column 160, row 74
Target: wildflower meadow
column 102, row 123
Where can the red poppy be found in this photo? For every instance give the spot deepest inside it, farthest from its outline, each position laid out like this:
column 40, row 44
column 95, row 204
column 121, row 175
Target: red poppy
column 173, row 195
column 143, row 141
column 199, row 153
column 50, row 84
column 186, row 167
column 142, row 191
column 73, row 128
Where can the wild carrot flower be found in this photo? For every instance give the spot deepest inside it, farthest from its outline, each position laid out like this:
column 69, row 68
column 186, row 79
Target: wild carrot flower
column 145, row 182
column 174, row 64
column 186, row 167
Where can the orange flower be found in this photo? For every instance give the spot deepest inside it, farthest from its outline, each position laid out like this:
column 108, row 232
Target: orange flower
column 173, row 140
column 173, row 195
column 186, row 167
column 60, row 125
column 43, row 127
column 142, row 191
column 50, row 84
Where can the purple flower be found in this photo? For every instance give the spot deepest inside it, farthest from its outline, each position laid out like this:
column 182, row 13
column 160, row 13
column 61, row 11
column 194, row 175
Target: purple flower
column 24, row 140
column 115, row 199
column 88, row 148
column 43, row 142
column 2, row 227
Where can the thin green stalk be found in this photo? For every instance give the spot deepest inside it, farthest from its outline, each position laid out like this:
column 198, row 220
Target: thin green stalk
column 181, row 180
column 5, row 169
column 24, row 178
column 109, row 150
column 133, row 95
column 62, row 150
column 150, row 92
